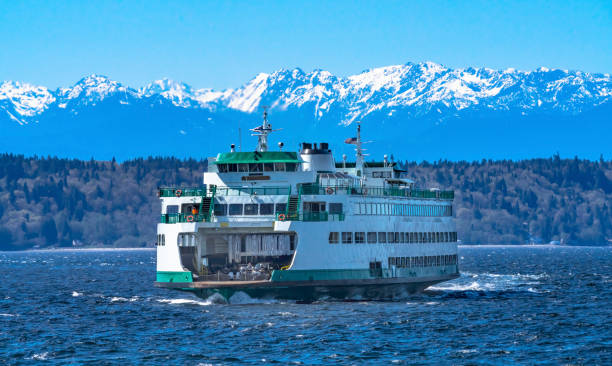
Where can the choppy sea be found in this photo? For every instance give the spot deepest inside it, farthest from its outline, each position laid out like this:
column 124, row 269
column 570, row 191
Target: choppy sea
column 526, row 305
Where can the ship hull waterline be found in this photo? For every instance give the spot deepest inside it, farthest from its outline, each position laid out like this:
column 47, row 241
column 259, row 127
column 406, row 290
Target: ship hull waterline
column 371, row 289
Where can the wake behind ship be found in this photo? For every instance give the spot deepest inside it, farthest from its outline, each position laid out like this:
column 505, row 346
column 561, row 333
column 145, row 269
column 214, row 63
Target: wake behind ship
column 298, row 225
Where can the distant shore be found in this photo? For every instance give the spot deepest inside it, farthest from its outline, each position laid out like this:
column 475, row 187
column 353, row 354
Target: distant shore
column 110, row 249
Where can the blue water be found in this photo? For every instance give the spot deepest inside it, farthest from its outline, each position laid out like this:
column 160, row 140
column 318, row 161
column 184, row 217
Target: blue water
column 549, row 305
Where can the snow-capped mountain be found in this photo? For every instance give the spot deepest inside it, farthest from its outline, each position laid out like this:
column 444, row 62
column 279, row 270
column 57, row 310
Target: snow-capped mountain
column 413, row 97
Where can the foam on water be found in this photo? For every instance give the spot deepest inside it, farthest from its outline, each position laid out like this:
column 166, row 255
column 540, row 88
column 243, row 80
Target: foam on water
column 490, row 282
column 243, row 298
column 185, row 302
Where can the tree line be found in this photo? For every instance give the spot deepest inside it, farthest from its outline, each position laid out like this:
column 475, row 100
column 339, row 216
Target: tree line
column 49, row 201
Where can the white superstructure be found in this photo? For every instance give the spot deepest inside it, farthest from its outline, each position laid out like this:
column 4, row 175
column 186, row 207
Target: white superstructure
column 292, row 224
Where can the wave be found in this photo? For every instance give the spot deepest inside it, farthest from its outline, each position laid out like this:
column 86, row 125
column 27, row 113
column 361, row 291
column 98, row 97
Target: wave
column 124, row 299
column 186, row 302
column 492, row 282
column 39, row 356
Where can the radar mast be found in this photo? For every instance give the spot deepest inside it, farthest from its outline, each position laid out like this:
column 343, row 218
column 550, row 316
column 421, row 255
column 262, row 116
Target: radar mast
column 262, row 132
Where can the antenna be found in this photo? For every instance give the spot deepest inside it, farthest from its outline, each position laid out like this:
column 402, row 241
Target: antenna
column 239, row 137
column 263, row 131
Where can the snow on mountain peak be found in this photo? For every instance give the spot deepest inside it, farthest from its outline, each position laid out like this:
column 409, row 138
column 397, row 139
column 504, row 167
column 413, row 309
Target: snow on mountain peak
column 415, row 88
column 24, row 99
column 92, row 88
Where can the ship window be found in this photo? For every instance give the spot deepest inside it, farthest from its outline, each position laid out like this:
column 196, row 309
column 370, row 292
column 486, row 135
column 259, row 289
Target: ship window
column 291, row 242
column 268, row 167
column 250, row 209
column 347, row 237
column 397, row 239
column 382, row 237
column 371, row 238
column 266, row 209
column 333, row 237
column 335, row 208
column 281, row 207
column 243, row 168
column 256, row 167
column 235, row 209
column 222, row 168
column 243, row 244
column 163, row 239
column 401, row 237
column 232, row 168
column 172, row 209
column 291, row 167
column 220, row 209
column 279, row 167
column 359, row 237
column 390, row 238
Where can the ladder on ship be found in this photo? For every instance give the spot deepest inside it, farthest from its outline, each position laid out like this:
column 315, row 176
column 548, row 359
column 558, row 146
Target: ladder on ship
column 293, row 207
column 206, row 204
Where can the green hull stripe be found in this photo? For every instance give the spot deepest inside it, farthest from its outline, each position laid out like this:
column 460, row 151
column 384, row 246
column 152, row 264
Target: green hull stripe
column 360, row 274
column 165, row 276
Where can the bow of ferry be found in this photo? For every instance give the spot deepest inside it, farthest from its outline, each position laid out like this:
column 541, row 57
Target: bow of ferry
column 298, row 225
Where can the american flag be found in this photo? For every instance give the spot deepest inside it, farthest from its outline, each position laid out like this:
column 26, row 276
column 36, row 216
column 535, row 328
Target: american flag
column 351, row 140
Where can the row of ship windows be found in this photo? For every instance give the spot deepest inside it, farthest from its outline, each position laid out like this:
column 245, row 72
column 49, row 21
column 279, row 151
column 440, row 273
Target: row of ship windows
column 239, row 209
column 257, row 167
column 425, row 261
column 397, row 209
column 161, row 240
column 391, row 237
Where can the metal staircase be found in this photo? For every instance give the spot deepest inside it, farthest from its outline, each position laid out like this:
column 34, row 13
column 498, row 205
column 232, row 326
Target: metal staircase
column 293, row 205
column 206, row 204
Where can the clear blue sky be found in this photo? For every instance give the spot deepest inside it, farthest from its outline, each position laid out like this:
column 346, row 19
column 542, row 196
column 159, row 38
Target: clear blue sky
column 222, row 44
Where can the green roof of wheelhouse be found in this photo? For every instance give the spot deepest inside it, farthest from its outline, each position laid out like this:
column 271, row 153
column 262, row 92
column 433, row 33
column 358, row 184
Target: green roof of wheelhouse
column 257, row 157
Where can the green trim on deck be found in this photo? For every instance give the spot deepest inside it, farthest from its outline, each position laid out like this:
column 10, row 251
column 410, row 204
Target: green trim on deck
column 166, row 276
column 257, row 157
column 321, row 275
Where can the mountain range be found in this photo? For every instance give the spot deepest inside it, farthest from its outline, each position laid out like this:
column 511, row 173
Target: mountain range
column 414, row 111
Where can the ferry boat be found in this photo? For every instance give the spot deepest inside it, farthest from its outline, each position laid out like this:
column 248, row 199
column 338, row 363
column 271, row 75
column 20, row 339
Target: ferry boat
column 298, row 225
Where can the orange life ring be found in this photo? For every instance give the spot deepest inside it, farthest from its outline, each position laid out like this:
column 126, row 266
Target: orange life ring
column 329, row 190
column 178, row 192
column 190, row 218
column 281, row 217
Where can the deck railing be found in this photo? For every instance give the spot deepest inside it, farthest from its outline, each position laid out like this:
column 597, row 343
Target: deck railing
column 316, row 189
column 181, row 217
column 180, row 191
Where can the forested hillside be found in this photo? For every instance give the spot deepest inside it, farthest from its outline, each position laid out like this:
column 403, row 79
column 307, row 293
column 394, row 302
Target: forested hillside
column 58, row 202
